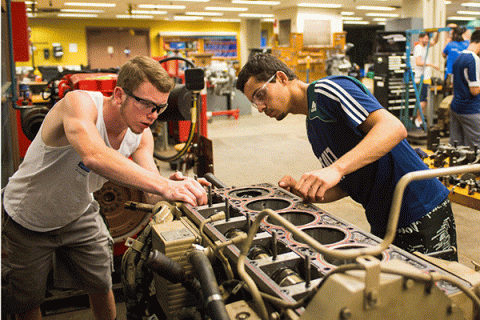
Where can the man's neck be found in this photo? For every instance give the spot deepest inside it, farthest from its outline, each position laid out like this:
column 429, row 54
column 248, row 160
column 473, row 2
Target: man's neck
column 114, row 122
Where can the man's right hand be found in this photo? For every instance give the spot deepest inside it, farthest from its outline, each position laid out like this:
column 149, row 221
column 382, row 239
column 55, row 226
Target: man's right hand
column 185, row 189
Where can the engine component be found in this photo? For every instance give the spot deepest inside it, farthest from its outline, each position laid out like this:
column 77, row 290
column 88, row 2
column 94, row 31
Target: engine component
column 289, row 267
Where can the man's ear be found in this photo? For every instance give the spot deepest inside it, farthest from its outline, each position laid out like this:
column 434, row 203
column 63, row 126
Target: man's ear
column 282, row 77
column 118, row 94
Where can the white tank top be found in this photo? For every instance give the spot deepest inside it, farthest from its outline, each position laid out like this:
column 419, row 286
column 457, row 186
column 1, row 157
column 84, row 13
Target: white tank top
column 52, row 187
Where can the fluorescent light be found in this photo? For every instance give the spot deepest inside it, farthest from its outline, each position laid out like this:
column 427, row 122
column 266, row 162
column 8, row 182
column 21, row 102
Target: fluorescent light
column 225, row 20
column 148, row 12
column 319, row 5
column 82, row 10
column 160, row 6
column 268, row 20
column 375, row 8
column 448, row 2
column 187, row 18
column 462, row 18
column 255, row 15
column 391, row 15
column 209, row 14
column 471, row 4
column 260, row 2
column 347, row 13
column 356, row 22
column 225, row 9
column 352, row 18
column 30, row 2
column 89, row 4
column 133, row 16
column 379, row 19
column 77, row 15
column 476, row 13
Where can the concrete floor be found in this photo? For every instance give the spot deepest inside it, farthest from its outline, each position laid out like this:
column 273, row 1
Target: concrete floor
column 256, row 149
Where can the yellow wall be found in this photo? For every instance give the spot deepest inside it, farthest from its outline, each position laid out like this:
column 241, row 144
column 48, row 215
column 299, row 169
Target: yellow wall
column 66, row 31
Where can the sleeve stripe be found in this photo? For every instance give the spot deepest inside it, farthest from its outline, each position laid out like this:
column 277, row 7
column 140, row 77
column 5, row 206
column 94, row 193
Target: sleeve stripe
column 348, row 103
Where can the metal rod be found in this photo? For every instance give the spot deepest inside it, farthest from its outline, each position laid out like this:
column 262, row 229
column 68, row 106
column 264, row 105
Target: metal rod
column 209, row 188
column 274, row 245
column 227, row 210
column 308, row 271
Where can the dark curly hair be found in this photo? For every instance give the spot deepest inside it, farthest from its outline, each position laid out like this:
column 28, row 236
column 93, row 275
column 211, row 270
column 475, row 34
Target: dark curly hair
column 262, row 66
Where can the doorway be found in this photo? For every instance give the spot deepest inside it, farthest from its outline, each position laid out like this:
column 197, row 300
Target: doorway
column 112, row 47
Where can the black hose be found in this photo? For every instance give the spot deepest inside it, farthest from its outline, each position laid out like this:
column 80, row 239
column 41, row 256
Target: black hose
column 172, row 271
column 213, row 300
column 215, row 181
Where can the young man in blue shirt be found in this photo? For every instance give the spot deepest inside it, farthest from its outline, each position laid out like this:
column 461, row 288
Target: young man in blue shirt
column 361, row 148
column 465, row 106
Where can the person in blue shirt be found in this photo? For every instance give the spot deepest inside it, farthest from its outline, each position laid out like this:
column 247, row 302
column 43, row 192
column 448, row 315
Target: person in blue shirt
column 361, row 149
column 465, row 106
column 452, row 50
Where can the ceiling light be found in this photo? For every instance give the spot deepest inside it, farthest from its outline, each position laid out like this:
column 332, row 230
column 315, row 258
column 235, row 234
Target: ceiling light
column 375, row 8
column 77, row 15
column 187, row 18
column 476, row 13
column 356, row 22
column 133, row 16
column 226, row 20
column 471, row 4
column 352, row 18
column 89, row 4
column 160, row 6
column 82, row 10
column 347, row 13
column 226, row 9
column 448, row 2
column 148, row 12
column 319, row 5
column 30, row 2
column 209, row 14
column 255, row 15
column 379, row 19
column 260, row 2
column 391, row 15
column 462, row 18
column 268, row 20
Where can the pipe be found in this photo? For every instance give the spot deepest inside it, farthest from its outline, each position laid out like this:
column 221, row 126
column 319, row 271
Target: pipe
column 172, row 271
column 10, row 48
column 213, row 300
column 215, row 181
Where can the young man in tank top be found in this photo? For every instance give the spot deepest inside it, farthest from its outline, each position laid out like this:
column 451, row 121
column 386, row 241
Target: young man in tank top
column 50, row 213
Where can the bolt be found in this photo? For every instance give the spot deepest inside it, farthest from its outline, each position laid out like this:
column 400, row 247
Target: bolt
column 408, row 284
column 451, row 308
column 345, row 314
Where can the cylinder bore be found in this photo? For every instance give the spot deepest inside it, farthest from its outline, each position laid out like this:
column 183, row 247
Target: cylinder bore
column 324, row 235
column 274, row 204
column 338, row 261
column 294, row 217
column 248, row 193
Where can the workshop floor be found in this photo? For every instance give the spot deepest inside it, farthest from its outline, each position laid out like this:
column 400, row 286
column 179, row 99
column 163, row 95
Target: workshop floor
column 256, row 149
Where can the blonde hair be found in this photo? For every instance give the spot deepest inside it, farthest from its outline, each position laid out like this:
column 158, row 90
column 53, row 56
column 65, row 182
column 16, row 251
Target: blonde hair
column 140, row 69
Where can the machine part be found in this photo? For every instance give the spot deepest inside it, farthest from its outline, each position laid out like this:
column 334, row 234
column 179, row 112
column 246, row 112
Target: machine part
column 213, row 300
column 32, row 119
column 240, row 310
column 136, row 278
column 193, row 110
column 172, row 271
column 174, row 239
column 122, row 223
column 342, row 297
column 282, row 285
